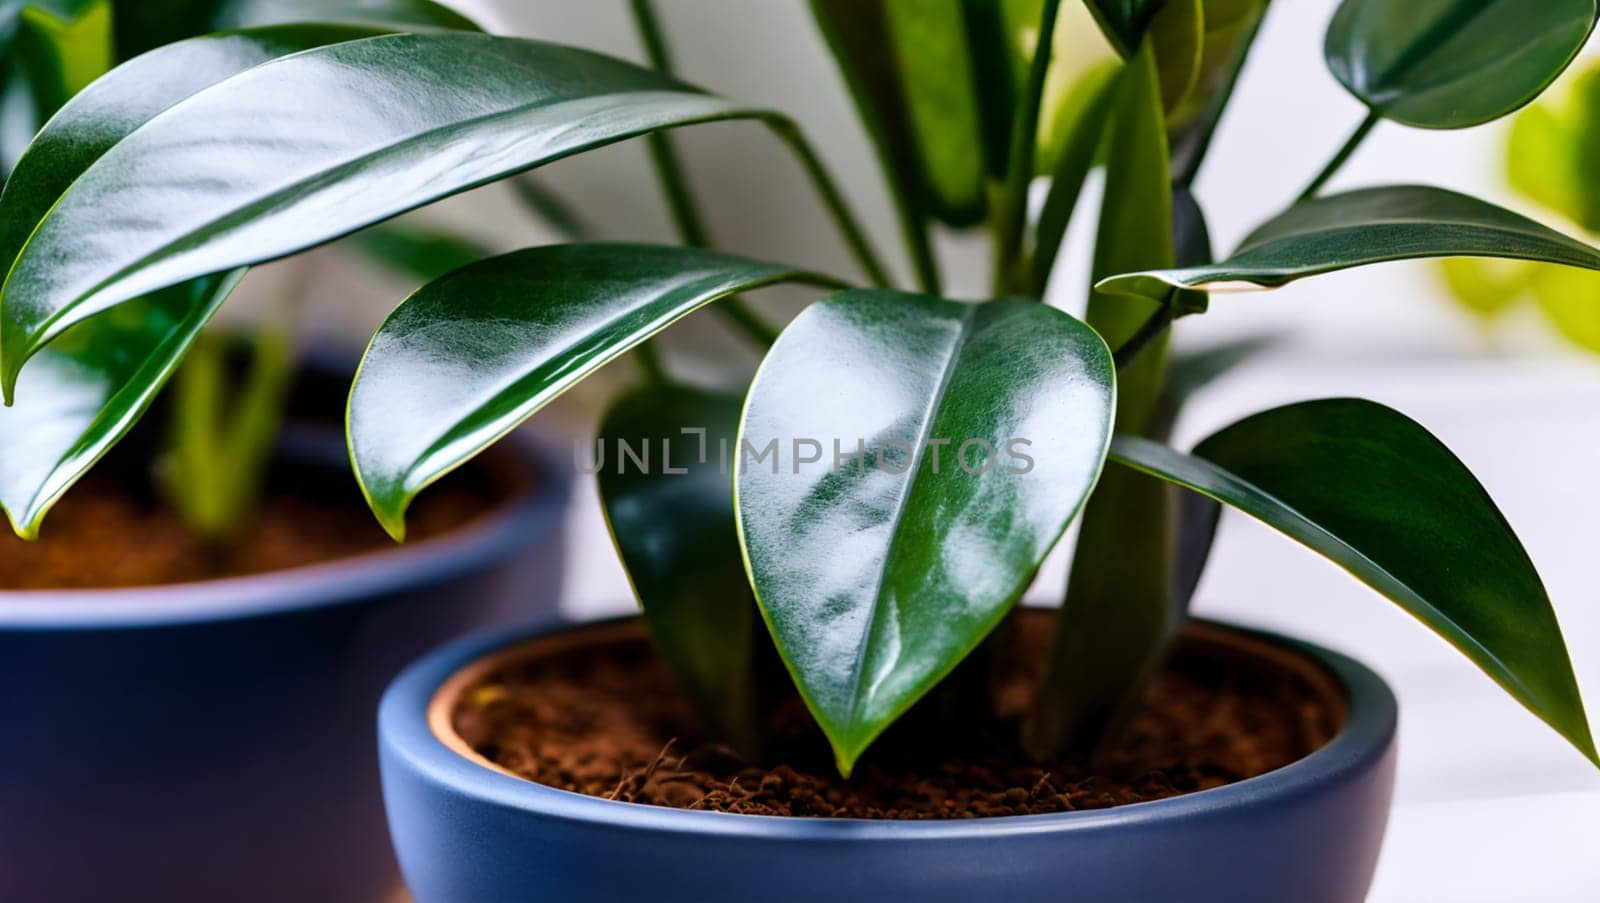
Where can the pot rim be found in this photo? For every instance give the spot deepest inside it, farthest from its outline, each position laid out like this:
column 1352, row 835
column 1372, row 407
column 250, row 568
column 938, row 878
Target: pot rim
column 406, row 734
column 532, row 513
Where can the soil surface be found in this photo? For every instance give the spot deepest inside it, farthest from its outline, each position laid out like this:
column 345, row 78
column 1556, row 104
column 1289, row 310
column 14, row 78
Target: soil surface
column 605, row 721
column 109, row 531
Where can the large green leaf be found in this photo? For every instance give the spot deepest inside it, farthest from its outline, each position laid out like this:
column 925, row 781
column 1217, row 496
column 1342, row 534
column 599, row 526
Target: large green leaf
column 1177, row 35
column 308, row 148
column 1372, row 225
column 1120, row 609
column 878, row 575
column 468, row 357
column 671, row 517
column 1374, row 492
column 1448, row 64
column 92, row 385
column 937, row 77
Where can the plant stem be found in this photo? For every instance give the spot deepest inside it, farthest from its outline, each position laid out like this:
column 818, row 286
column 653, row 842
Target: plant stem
column 843, row 219
column 686, row 216
column 1013, row 212
column 650, row 364
column 1147, row 332
column 1350, row 145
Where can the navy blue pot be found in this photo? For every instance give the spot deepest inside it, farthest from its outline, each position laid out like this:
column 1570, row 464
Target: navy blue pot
column 467, row 832
column 214, row 741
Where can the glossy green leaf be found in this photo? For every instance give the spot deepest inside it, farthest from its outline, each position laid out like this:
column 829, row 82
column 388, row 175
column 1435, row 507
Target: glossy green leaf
column 1124, row 21
column 878, row 575
column 92, row 384
column 671, row 517
column 468, row 357
column 1372, row 225
column 1129, row 528
column 1448, row 64
column 308, row 148
column 1374, row 492
column 930, row 49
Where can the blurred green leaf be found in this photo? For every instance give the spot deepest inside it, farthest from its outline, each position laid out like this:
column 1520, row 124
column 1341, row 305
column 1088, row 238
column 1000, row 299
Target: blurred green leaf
column 1372, row 225
column 1374, row 492
column 1550, row 149
column 62, row 51
column 1124, row 21
column 1449, row 64
column 1488, row 287
column 469, row 356
column 939, row 545
column 1177, row 35
column 939, row 83
column 1075, row 154
column 1570, row 299
column 422, row 254
column 673, row 524
column 1230, row 30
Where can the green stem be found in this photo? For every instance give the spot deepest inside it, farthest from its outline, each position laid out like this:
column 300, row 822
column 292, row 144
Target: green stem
column 1013, row 211
column 1350, row 145
column 855, row 238
column 649, row 362
column 1147, row 332
column 686, row 216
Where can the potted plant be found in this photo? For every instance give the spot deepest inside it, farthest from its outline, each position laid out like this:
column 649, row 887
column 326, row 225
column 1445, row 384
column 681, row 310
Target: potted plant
column 828, row 567
column 217, row 586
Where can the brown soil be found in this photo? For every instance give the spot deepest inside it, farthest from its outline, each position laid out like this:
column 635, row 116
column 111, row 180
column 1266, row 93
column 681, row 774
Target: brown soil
column 603, row 720
column 109, row 532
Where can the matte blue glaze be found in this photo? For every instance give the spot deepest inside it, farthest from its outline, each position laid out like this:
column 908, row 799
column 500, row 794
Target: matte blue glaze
column 213, row 741
column 465, row 833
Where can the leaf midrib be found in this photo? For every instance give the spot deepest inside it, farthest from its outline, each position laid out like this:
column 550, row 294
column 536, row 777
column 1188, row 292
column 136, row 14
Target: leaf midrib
column 936, row 400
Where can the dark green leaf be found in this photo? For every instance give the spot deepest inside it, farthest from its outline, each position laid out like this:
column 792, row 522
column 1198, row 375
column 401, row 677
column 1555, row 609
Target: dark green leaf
column 1448, row 64
column 929, row 46
column 1128, row 530
column 1372, row 225
column 306, row 149
column 879, row 575
column 464, row 360
column 95, row 382
column 672, row 521
column 1124, row 21
column 1374, row 492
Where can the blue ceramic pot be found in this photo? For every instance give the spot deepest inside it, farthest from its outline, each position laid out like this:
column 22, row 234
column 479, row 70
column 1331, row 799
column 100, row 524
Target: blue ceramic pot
column 214, row 741
column 469, row 833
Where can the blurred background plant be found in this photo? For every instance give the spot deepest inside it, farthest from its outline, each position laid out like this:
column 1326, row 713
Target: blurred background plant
column 1550, row 153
